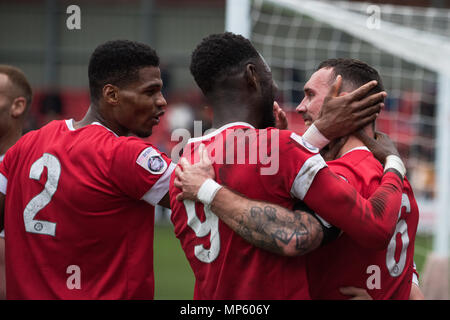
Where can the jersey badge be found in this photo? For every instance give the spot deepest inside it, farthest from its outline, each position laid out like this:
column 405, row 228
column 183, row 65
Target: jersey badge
column 152, row 161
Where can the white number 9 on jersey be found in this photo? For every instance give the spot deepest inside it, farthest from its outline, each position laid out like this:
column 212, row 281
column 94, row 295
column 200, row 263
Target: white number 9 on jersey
column 201, row 229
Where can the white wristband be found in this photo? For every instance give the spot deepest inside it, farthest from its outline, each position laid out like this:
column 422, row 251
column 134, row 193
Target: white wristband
column 394, row 162
column 314, row 137
column 415, row 279
column 208, row 191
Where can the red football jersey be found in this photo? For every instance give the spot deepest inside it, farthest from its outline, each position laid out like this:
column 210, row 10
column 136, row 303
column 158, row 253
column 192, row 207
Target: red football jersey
column 225, row 265
column 385, row 274
column 79, row 213
column 270, row 165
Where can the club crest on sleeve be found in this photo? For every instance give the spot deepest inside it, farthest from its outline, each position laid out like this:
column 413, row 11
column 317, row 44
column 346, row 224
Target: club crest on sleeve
column 152, row 161
column 156, row 163
column 303, row 143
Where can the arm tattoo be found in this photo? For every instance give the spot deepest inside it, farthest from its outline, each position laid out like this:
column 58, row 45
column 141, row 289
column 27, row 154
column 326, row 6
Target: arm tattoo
column 278, row 229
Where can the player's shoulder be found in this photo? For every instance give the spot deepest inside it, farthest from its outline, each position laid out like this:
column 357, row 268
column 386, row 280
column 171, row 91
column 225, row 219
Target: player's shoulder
column 37, row 136
column 290, row 140
column 358, row 164
column 358, row 158
column 135, row 148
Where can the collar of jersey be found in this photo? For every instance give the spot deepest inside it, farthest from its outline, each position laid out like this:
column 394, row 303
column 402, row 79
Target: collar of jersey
column 1, row 157
column 222, row 128
column 69, row 123
column 357, row 148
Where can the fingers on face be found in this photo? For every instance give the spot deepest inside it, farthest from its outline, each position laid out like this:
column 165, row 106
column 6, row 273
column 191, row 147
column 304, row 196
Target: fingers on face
column 334, row 90
column 362, row 91
column 276, row 106
column 374, row 99
column 372, row 110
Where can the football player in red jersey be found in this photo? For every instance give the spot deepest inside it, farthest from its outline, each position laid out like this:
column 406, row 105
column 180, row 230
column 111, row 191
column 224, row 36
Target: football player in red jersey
column 350, row 261
column 77, row 197
column 386, row 273
column 239, row 87
column 15, row 100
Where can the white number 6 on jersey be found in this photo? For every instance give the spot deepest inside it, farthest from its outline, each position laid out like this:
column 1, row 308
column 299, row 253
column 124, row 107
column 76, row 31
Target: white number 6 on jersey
column 201, row 229
column 42, row 199
column 396, row 268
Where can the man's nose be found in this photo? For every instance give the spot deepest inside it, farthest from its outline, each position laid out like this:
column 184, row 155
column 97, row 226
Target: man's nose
column 301, row 108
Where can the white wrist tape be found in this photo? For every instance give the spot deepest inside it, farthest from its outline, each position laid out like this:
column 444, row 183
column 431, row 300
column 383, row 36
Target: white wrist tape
column 415, row 279
column 208, row 191
column 394, row 162
column 314, row 137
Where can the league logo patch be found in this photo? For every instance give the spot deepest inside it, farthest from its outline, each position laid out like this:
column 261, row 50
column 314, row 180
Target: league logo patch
column 156, row 163
column 152, row 161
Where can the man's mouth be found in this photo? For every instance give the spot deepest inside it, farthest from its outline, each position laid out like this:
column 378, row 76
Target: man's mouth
column 156, row 118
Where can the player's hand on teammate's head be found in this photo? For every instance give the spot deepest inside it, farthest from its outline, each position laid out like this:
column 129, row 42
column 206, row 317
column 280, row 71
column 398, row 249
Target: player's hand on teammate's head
column 281, row 121
column 381, row 146
column 342, row 115
column 190, row 177
column 355, row 293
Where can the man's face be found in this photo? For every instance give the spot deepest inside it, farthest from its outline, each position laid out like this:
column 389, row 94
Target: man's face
column 5, row 102
column 315, row 90
column 142, row 103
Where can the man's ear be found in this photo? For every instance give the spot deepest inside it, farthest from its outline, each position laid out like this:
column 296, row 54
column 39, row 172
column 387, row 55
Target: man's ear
column 18, row 107
column 111, row 94
column 251, row 75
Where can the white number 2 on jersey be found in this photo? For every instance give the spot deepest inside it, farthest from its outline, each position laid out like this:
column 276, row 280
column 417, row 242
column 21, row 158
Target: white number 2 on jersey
column 42, row 199
column 396, row 268
column 201, row 229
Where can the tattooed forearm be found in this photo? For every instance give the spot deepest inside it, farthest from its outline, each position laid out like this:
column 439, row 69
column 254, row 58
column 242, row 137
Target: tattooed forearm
column 268, row 226
column 280, row 230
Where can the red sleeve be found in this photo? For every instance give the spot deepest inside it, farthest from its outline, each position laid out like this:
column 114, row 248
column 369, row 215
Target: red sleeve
column 369, row 222
column 141, row 171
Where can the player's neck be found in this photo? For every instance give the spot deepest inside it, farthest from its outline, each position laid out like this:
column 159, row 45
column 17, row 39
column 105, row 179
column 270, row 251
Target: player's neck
column 351, row 143
column 9, row 138
column 224, row 114
column 93, row 115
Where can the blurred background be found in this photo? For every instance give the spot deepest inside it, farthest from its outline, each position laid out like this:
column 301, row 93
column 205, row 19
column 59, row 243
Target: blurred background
column 294, row 37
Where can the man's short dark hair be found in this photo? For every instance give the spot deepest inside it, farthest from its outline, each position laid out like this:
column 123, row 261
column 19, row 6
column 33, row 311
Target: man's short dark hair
column 354, row 73
column 118, row 63
column 219, row 55
column 21, row 86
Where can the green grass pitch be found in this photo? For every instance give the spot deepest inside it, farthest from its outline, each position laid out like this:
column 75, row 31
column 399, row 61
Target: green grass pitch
column 174, row 279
